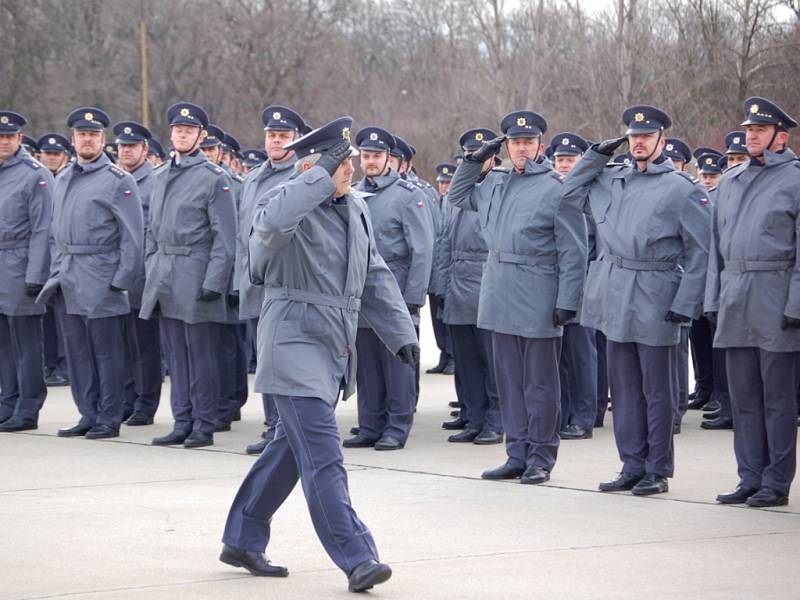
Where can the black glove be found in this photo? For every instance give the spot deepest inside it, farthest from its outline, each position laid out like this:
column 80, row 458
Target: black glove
column 409, row 354
column 608, row 147
column 561, row 317
column 790, row 323
column 115, row 288
column 233, row 300
column 711, row 317
column 333, row 157
column 207, row 295
column 32, row 289
column 413, row 309
column 486, row 151
column 674, row 317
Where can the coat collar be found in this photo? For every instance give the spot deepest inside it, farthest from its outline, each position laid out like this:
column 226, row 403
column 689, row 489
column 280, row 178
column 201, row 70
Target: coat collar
column 101, row 162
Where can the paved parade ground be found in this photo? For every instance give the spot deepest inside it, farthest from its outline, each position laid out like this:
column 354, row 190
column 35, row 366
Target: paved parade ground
column 123, row 519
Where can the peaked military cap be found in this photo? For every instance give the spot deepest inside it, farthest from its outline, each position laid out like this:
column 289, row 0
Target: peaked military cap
column 323, row 138
column 376, row 139
column 155, row 147
column 11, row 122
column 472, row 139
column 404, row 149
column 306, row 129
column 230, row 143
column 282, row 118
column 709, row 163
column 186, row 113
column 131, row 132
column 723, row 162
column 568, row 144
column 677, row 149
column 760, row 111
column 253, row 157
column 735, row 143
column 54, row 142
column 622, row 159
column 523, row 124
column 642, row 118
column 88, row 118
column 215, row 137
column 30, row 144
column 445, row 171
column 111, row 151
column 701, row 150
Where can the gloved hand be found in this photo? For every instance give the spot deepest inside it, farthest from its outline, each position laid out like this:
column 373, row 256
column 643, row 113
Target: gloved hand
column 711, row 316
column 233, row 300
column 561, row 317
column 488, row 149
column 115, row 288
column 608, row 147
column 333, row 157
column 413, row 309
column 674, row 317
column 32, row 289
column 790, row 323
column 409, row 354
column 207, row 295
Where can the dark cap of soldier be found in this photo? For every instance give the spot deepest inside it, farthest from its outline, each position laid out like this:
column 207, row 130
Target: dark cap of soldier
column 186, row 113
column 403, row 148
column 88, row 118
column 735, row 143
column 154, row 147
column 11, row 122
column 760, row 111
column 445, row 171
column 472, row 139
column 568, row 144
column 642, row 119
column 282, row 118
column 253, row 157
column 375, row 139
column 131, row 132
column 30, row 144
column 323, row 138
column 523, row 124
column 214, row 138
column 54, row 142
column 677, row 149
column 709, row 163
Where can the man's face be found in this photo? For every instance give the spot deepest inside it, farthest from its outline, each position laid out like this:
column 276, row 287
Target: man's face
column 643, row 146
column 343, row 177
column 275, row 140
column 153, row 158
column 737, row 159
column 564, row 163
column 88, row 144
column 373, row 163
column 758, row 138
column 213, row 154
column 521, row 150
column 131, row 156
column 710, row 180
column 9, row 144
column 444, row 187
column 678, row 164
column 53, row 160
column 185, row 138
column 394, row 163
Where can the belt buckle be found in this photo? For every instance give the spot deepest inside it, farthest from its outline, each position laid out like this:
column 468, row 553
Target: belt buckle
column 618, row 260
column 351, row 304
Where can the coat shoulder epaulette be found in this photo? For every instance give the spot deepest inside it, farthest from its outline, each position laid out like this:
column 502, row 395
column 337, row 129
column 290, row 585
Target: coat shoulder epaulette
column 32, row 162
column 557, row 176
column 409, row 187
column 214, row 168
column 688, row 176
column 501, row 170
column 161, row 167
column 117, row 171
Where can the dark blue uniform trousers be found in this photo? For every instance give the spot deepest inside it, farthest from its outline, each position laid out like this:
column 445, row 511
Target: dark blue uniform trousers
column 386, row 391
column 270, row 412
column 526, row 370
column 440, row 331
column 95, row 351
column 22, row 388
column 642, row 380
column 577, row 368
column 476, row 389
column 54, row 356
column 602, row 378
column 763, row 387
column 306, row 446
column 702, row 336
column 233, row 371
column 191, row 350
column 143, row 366
column 680, row 383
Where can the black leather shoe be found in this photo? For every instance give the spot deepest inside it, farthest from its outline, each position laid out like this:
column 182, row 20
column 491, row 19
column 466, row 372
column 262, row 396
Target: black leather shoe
column 651, row 484
column 222, row 427
column 173, row 438
column 534, row 475
column 711, row 406
column 465, row 437
column 767, row 497
column 101, row 432
column 359, row 441
column 737, row 496
column 255, row 562
column 237, row 415
column 258, row 447
column 199, row 439
column 55, row 380
column 487, row 438
column 454, row 404
column 698, row 401
column 449, row 368
column 573, row 432
column 676, row 428
column 127, row 413
column 623, row 483
column 388, row 442
column 458, row 423
column 18, row 424
column 76, row 431
column 435, row 370
column 138, row 419
column 367, row 575
column 355, row 430
column 718, row 423
column 4, row 419
column 504, row 471
column 710, row 416
column 455, row 413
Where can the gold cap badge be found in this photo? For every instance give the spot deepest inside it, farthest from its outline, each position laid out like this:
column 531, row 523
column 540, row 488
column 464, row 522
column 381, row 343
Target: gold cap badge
column 479, row 137
column 346, row 134
column 638, row 117
column 88, row 116
column 276, row 115
column 522, row 122
column 184, row 112
column 4, row 120
column 373, row 136
column 754, row 108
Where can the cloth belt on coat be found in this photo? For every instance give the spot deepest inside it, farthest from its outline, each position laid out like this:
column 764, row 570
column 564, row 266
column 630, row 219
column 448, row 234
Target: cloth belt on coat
column 89, row 248
column 396, row 259
column 348, row 303
column 464, row 255
column 743, row 266
column 522, row 259
column 178, row 250
column 11, row 244
column 640, row 264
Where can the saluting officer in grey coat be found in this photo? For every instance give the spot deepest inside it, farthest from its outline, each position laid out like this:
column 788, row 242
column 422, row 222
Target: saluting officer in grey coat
column 652, row 230
column 190, row 249
column 312, row 247
column 26, row 208
column 97, row 235
column 531, row 287
column 404, row 238
column 282, row 126
column 753, row 294
column 143, row 366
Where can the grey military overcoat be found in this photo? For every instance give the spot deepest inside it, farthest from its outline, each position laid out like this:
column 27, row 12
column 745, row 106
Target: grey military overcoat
column 144, row 182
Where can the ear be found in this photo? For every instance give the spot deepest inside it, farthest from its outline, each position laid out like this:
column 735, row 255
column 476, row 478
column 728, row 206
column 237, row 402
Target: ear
column 306, row 166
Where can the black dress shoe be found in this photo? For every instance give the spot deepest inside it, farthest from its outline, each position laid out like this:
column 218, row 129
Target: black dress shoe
column 4, row 419
column 711, row 406
column 698, row 401
column 101, row 432
column 126, row 414
column 355, row 430
column 534, row 475
column 737, row 496
column 222, row 427
column 255, row 562
column 714, row 414
column 138, row 419
column 623, row 483
column 76, row 431
column 504, row 471
column 458, row 423
column 435, row 370
column 692, row 395
column 359, row 441
column 388, row 442
column 676, row 428
column 237, row 415
column 465, row 437
column 488, row 437
column 454, row 404
column 367, row 575
column 651, row 484
column 449, row 368
column 258, row 447
column 55, row 380
column 173, row 438
column 199, row 439
column 18, row 424
column 718, row 423
column 573, row 432
column 767, row 497
column 455, row 413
